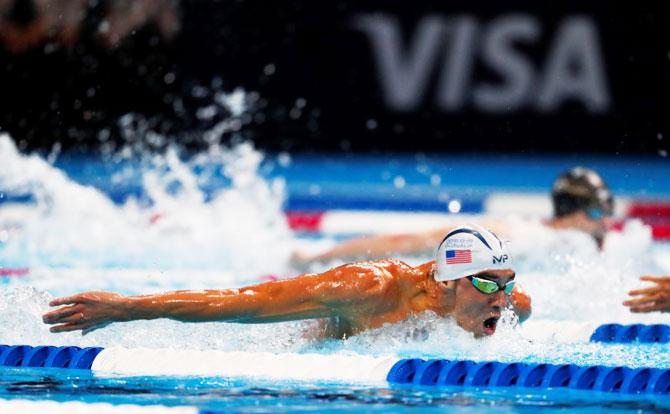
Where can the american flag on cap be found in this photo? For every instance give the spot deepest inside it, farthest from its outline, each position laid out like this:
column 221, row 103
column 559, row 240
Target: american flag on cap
column 458, row 256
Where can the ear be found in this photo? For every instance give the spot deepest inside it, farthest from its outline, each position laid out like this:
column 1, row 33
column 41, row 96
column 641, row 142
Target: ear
column 450, row 284
column 449, row 294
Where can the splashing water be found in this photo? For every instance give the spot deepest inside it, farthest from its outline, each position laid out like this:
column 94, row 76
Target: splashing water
column 568, row 278
column 241, row 230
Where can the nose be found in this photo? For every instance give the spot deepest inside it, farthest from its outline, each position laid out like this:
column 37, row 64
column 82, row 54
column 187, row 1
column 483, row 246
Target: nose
column 499, row 299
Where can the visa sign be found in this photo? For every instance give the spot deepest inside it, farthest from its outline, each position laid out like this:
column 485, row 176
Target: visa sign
column 449, row 48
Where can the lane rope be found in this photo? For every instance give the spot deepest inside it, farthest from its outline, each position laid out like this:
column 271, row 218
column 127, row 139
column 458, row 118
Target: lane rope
column 342, row 368
column 616, row 333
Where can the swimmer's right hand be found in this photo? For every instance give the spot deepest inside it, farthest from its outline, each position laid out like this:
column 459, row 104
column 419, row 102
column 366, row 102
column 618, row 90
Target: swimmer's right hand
column 87, row 312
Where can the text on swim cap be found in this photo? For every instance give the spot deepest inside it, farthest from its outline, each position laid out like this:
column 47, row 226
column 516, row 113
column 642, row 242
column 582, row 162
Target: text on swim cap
column 500, row 259
column 461, row 243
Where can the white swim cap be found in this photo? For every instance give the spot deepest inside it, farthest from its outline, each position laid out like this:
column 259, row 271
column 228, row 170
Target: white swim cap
column 467, row 250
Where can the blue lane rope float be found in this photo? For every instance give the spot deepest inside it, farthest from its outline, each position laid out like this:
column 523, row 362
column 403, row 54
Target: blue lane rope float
column 71, row 357
column 439, row 372
column 433, row 372
column 616, row 333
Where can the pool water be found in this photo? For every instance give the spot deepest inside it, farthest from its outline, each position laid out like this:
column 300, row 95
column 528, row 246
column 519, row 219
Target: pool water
column 216, row 220
column 262, row 396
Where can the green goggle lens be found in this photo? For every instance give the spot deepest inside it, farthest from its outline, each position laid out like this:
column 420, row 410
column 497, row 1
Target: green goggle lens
column 509, row 287
column 489, row 287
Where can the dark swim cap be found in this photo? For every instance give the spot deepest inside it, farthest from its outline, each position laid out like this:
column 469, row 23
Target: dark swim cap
column 579, row 189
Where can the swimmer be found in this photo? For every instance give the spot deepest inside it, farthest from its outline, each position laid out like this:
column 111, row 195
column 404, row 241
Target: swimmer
column 651, row 299
column 471, row 281
column 581, row 201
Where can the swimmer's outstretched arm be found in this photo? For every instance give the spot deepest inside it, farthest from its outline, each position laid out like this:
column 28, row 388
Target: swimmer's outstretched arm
column 341, row 291
column 651, row 299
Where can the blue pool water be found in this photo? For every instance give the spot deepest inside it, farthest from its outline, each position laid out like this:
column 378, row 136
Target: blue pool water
column 387, row 181
column 229, row 395
column 223, row 226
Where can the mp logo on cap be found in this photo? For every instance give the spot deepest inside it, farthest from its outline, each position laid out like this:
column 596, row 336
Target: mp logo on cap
column 500, row 259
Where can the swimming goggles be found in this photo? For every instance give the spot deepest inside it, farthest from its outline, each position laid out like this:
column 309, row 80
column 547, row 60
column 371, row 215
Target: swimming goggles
column 490, row 287
column 597, row 213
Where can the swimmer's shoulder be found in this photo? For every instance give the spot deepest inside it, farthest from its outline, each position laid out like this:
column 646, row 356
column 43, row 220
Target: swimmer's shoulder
column 384, row 267
column 394, row 266
column 398, row 267
column 385, row 270
column 426, row 268
column 403, row 274
column 372, row 282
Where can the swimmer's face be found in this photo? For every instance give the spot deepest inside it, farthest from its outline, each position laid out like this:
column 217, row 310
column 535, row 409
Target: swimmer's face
column 478, row 312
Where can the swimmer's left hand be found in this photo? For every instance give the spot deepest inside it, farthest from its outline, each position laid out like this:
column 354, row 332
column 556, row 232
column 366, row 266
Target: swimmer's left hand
column 655, row 298
column 86, row 312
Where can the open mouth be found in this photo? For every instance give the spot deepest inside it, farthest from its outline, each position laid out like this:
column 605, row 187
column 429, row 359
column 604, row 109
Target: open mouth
column 490, row 325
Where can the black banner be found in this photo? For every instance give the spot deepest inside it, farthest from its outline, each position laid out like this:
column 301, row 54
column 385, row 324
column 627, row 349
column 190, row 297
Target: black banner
column 388, row 75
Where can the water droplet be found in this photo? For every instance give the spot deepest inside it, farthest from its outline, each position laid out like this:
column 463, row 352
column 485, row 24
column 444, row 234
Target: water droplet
column 269, row 69
column 284, row 159
column 169, row 78
column 295, row 113
column 206, row 113
column 104, row 26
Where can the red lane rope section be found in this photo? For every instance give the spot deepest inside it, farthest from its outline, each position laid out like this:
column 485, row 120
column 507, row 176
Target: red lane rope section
column 661, row 232
column 649, row 209
column 19, row 271
column 304, row 220
column 654, row 213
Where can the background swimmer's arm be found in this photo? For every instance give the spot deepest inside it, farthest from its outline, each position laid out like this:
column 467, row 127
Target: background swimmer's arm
column 384, row 246
column 655, row 298
column 375, row 247
column 337, row 292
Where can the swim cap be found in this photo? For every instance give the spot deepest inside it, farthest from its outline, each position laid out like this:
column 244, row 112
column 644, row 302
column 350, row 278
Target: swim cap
column 470, row 249
column 580, row 189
